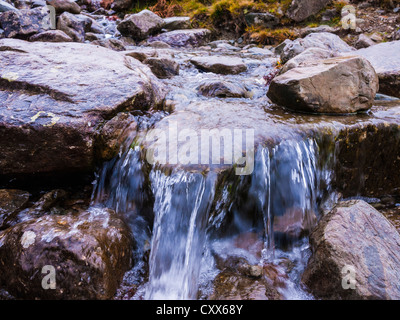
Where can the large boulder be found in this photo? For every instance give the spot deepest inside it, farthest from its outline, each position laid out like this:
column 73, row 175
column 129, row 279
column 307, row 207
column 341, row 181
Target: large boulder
column 23, row 23
column 141, row 25
column 322, row 40
column 219, row 64
column 300, row 10
column 54, row 97
column 74, row 26
column 184, row 38
column 385, row 58
column 310, row 54
column 338, row 85
column 89, row 251
column 355, row 255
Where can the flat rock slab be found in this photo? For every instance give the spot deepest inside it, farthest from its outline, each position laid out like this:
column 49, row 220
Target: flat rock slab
column 355, row 239
column 385, row 58
column 220, row 64
column 54, row 96
column 184, row 38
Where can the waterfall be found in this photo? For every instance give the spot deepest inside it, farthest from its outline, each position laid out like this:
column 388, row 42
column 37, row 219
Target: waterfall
column 171, row 210
column 182, row 202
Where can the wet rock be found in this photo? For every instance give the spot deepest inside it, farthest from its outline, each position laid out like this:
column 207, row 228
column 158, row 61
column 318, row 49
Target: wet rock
column 364, row 41
column 121, row 5
column 38, row 3
column 114, row 133
column 265, row 19
column 385, row 59
column 90, row 253
column 309, row 87
column 258, row 53
column 90, row 36
column 65, row 6
column 300, row 10
column 177, row 23
column 60, row 107
column 23, row 23
column 222, row 89
column 47, row 202
column 11, row 202
column 140, row 25
column 232, row 286
column 294, row 223
column 51, row 36
column 220, row 64
column 184, row 38
column 74, row 25
column 4, row 6
column 310, row 54
column 323, row 40
column 163, row 68
column 354, row 234
column 323, row 28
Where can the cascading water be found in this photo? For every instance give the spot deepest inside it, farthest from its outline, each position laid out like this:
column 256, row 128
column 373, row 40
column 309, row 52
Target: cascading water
column 182, row 203
column 185, row 219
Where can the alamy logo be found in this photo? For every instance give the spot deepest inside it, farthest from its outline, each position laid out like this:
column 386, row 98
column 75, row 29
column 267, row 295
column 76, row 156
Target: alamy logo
column 348, row 277
column 49, row 20
column 49, row 280
column 221, row 146
column 349, row 17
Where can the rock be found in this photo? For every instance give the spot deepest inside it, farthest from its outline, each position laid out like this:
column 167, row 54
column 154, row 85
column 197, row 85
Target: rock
column 159, row 45
column 364, row 41
column 121, row 5
column 90, row 252
column 114, row 133
column 265, row 20
column 226, row 47
column 309, row 88
column 259, row 53
column 47, row 202
column 323, row 28
column 232, row 286
column 310, row 54
column 142, row 54
column 294, row 223
column 354, row 234
column 222, row 89
column 74, row 26
column 279, row 48
column 4, row 6
column 60, row 108
column 163, row 68
column 38, row 3
column 11, row 202
column 323, row 40
column 300, row 10
column 113, row 44
column 220, row 64
column 329, row 14
column 51, row 36
column 23, row 23
column 65, row 6
column 385, row 59
column 184, row 38
column 177, row 23
column 90, row 36
column 140, row 25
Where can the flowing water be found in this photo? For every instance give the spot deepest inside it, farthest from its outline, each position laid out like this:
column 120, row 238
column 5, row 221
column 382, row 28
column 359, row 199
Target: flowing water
column 186, row 220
